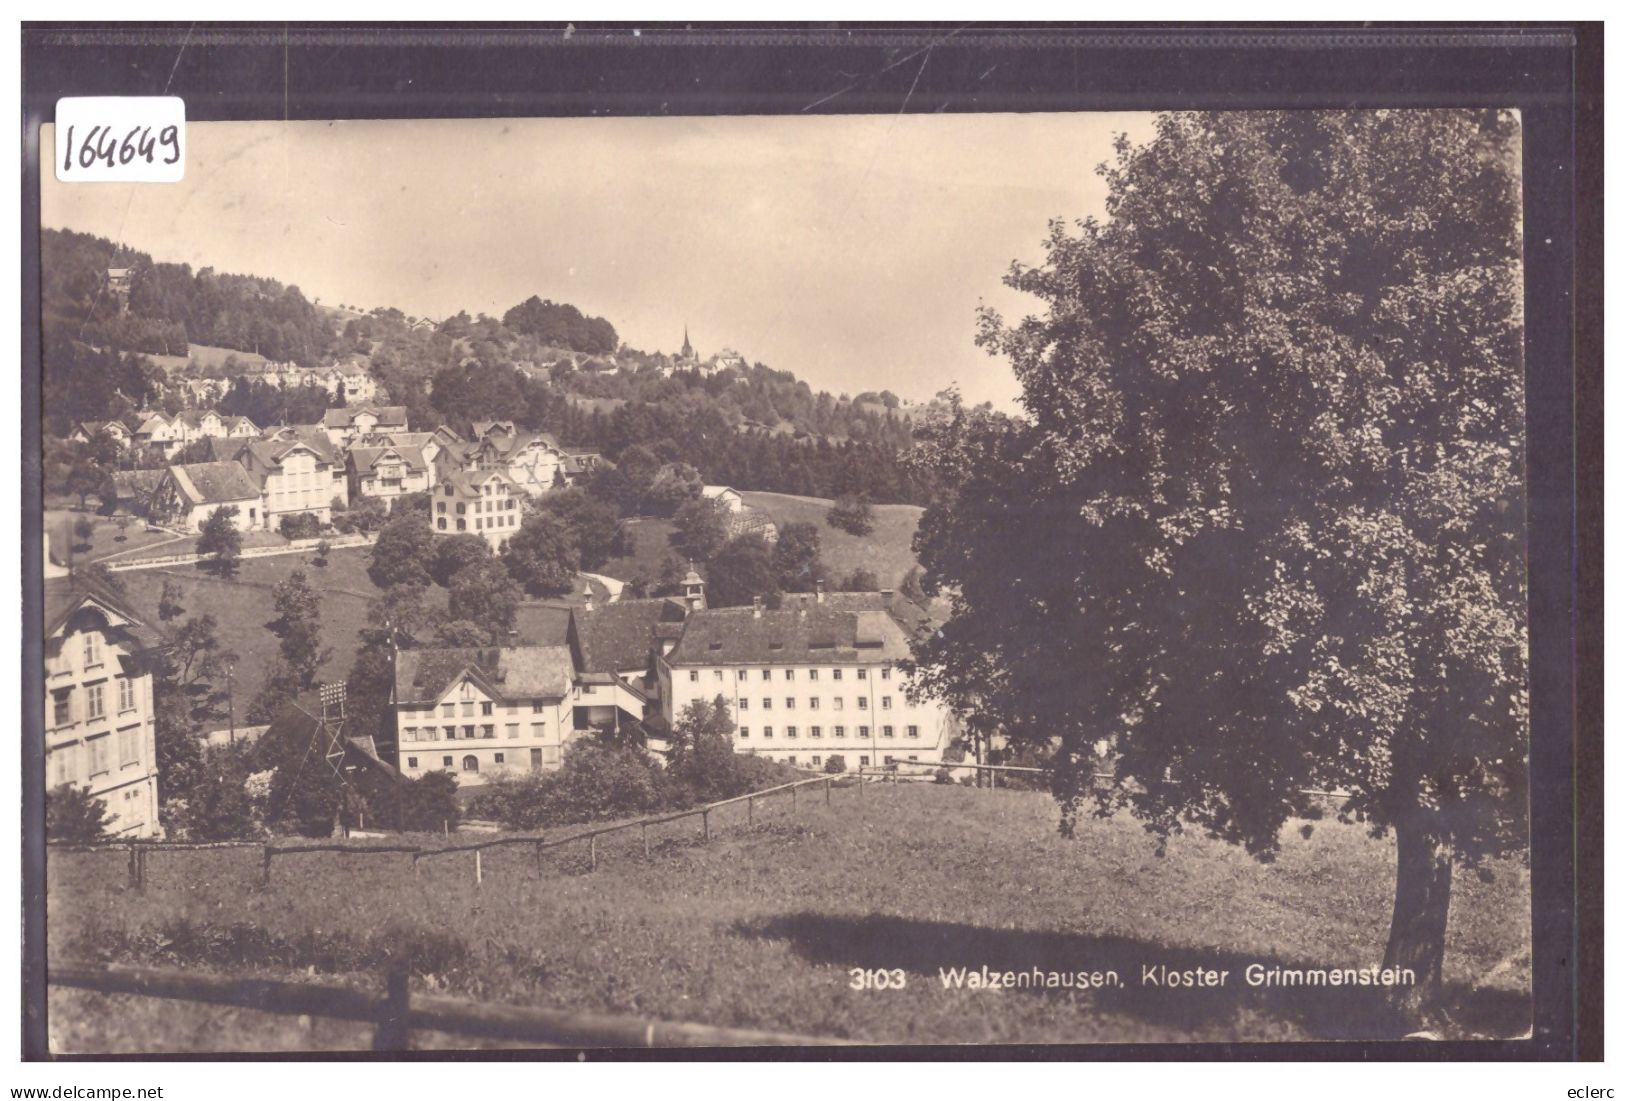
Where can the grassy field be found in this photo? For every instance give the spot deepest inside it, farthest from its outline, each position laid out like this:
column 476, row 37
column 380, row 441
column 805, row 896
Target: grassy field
column 107, row 539
column 243, row 608
column 761, row 928
column 886, row 550
column 648, row 541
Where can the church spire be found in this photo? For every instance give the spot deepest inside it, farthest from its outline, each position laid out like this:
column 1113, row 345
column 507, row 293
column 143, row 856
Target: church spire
column 688, row 350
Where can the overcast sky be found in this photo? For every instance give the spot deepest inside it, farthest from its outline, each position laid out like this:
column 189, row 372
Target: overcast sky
column 852, row 250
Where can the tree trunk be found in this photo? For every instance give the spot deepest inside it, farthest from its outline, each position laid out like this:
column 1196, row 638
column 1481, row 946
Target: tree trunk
column 1421, row 912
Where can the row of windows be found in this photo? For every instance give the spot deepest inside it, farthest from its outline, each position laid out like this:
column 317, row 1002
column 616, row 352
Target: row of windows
column 467, row 733
column 95, row 701
column 479, row 506
column 64, row 760
column 818, row 760
column 835, row 732
column 790, row 674
column 449, row 710
column 538, row 758
column 838, row 703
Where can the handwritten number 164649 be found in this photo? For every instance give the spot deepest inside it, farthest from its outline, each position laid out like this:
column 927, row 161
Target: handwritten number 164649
column 102, row 143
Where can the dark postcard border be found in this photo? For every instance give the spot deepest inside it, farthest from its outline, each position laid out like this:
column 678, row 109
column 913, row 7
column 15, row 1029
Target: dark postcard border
column 1551, row 72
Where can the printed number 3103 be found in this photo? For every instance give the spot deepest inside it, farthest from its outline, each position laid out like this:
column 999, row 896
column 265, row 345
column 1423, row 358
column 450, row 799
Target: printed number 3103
column 866, row 979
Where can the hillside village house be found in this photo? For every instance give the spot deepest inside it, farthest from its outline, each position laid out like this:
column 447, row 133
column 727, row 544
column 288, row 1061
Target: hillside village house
column 99, row 732
column 117, row 431
column 814, row 678
column 189, row 492
column 482, row 712
column 133, row 490
column 614, row 647
column 345, row 425
column 294, row 476
column 170, row 434
column 480, row 502
column 533, row 460
column 726, row 496
column 433, row 445
column 387, row 472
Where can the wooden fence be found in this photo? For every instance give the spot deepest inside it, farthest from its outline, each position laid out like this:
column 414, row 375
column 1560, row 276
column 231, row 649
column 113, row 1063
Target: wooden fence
column 398, row 1013
column 140, row 851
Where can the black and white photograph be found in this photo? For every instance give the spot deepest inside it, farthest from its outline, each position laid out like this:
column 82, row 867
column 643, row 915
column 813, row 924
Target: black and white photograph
column 786, row 581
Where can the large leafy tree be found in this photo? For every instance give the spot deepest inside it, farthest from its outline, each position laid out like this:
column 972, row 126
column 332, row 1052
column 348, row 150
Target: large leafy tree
column 541, row 556
column 1262, row 526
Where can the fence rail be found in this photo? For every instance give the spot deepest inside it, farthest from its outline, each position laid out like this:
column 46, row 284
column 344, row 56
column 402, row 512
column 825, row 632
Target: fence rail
column 398, row 1013
column 139, row 850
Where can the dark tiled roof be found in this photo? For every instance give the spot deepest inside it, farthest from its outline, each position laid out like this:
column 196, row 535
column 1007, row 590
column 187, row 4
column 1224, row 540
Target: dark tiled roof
column 311, row 435
column 136, row 483
column 515, row 672
column 365, row 458
column 386, row 414
column 619, row 636
column 64, row 596
column 215, row 483
column 538, row 624
column 813, row 635
column 224, row 448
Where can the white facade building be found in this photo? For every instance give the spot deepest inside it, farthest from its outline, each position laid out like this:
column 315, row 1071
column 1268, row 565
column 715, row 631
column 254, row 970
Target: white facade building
column 99, row 728
column 812, row 679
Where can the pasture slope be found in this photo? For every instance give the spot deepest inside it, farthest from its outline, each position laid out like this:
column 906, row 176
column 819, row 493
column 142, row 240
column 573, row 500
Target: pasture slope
column 762, row 928
column 887, row 550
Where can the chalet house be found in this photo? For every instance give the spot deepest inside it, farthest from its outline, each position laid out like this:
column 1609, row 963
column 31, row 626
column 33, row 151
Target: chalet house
column 133, row 490
column 482, row 712
column 293, row 476
column 433, row 445
column 163, row 434
column 86, row 431
column 614, row 647
column 817, row 676
column 188, row 493
column 533, row 460
column 481, row 502
column 726, row 496
column 386, row 472
column 344, row 426
column 99, row 728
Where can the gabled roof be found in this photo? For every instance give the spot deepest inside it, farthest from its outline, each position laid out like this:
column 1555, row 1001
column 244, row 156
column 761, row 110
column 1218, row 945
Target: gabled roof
column 541, row 624
column 508, row 673
column 214, row 483
column 789, row 636
column 66, row 595
column 152, row 423
column 467, row 482
column 136, row 483
column 386, row 414
column 366, row 458
column 311, row 435
column 618, row 636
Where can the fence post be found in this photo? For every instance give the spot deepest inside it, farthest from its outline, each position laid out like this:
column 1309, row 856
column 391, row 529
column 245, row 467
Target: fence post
column 644, row 830
column 140, row 869
column 826, row 791
column 392, row 1033
column 705, row 823
column 415, row 870
column 794, row 792
column 750, row 811
column 133, row 883
column 265, row 868
column 479, row 874
column 538, row 858
column 592, row 852
column 860, row 779
column 992, row 780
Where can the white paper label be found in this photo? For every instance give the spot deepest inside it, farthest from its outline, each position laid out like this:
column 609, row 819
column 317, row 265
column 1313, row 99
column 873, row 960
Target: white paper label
column 120, row 139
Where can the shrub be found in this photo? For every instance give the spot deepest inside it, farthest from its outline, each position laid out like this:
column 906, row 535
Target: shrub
column 943, row 776
column 852, row 514
column 73, row 814
column 835, row 763
column 300, row 525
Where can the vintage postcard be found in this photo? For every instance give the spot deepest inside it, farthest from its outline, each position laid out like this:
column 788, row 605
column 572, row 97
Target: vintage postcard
column 979, row 578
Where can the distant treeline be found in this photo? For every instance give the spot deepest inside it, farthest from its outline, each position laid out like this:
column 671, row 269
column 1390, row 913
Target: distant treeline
column 171, row 306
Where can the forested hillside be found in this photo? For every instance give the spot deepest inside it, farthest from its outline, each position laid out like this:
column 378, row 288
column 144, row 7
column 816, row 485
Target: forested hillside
column 544, row 364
